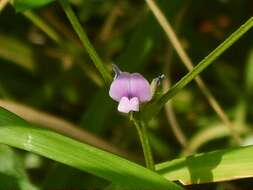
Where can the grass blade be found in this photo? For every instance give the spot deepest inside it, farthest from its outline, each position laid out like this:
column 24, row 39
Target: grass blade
column 209, row 167
column 86, row 42
column 153, row 108
column 17, row 133
column 165, row 24
column 61, row 126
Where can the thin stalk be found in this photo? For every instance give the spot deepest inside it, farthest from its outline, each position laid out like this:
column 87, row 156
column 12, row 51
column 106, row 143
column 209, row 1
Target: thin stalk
column 156, row 106
column 3, row 3
column 41, row 24
column 143, row 135
column 189, row 65
column 85, row 41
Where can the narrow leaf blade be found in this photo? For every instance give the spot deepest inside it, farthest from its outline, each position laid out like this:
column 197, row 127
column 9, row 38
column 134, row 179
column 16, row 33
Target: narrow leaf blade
column 209, row 167
column 73, row 153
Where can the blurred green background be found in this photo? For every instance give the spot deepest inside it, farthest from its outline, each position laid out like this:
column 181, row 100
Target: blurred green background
column 56, row 76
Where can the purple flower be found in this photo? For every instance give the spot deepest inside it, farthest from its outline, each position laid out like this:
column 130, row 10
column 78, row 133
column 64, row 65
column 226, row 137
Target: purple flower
column 130, row 90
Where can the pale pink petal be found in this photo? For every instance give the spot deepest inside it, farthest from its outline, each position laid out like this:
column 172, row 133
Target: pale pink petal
column 140, row 88
column 126, row 105
column 120, row 87
column 134, row 102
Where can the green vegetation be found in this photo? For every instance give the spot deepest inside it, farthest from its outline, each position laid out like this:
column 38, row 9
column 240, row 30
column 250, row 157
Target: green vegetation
column 60, row 129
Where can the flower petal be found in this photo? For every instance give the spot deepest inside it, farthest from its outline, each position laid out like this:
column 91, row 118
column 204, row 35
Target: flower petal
column 120, row 87
column 140, row 88
column 126, row 105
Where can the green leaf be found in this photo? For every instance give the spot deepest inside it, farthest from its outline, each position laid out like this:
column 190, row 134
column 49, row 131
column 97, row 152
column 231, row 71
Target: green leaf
column 22, row 5
column 17, row 133
column 209, row 167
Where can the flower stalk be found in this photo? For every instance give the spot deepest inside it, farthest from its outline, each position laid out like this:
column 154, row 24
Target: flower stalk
column 143, row 135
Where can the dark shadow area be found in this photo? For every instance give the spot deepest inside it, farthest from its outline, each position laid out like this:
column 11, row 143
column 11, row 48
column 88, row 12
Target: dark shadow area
column 65, row 177
column 241, row 184
column 208, row 164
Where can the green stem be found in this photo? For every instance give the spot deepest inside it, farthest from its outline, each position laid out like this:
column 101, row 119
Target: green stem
column 85, row 41
column 155, row 107
column 143, row 135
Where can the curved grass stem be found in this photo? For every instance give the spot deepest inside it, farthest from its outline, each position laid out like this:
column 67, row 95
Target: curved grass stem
column 85, row 41
column 206, row 61
column 155, row 107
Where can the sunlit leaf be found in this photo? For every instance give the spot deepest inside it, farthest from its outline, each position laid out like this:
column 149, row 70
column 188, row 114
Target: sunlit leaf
column 17, row 133
column 209, row 167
